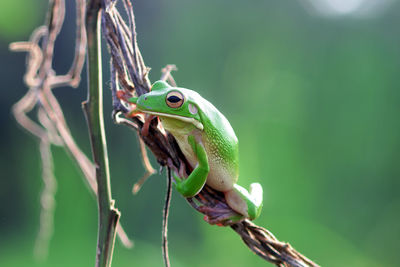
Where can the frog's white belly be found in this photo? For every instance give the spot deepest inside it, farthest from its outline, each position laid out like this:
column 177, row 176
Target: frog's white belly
column 220, row 176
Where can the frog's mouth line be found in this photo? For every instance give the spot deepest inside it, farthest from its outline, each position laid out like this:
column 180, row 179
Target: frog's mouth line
column 193, row 121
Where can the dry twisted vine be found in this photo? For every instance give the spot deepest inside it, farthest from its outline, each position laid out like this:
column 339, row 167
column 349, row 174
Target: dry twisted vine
column 129, row 75
column 52, row 128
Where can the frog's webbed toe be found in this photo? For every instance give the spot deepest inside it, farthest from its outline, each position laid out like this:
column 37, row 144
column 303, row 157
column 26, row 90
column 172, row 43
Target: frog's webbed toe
column 236, row 202
column 245, row 203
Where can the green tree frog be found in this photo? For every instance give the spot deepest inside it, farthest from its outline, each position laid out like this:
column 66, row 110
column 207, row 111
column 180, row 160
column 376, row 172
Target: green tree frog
column 208, row 142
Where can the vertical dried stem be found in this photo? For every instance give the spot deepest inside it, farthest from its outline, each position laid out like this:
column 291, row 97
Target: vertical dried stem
column 47, row 201
column 93, row 108
column 168, row 195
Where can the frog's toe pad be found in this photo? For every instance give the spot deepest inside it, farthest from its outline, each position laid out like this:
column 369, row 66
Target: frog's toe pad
column 256, row 193
column 236, row 202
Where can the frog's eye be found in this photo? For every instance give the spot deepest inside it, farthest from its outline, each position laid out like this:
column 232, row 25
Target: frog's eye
column 174, row 99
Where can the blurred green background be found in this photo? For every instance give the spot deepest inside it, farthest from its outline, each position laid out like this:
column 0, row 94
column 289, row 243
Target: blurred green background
column 311, row 88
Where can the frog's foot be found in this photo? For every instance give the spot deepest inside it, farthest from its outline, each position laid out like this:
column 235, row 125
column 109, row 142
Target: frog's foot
column 245, row 203
column 178, row 181
column 183, row 187
column 123, row 95
column 147, row 120
column 198, row 177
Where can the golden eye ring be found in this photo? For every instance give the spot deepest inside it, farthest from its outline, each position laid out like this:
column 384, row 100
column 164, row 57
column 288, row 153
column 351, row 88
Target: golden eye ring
column 174, row 99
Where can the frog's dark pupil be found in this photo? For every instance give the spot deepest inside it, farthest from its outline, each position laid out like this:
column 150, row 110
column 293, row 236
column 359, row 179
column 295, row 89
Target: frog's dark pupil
column 174, row 99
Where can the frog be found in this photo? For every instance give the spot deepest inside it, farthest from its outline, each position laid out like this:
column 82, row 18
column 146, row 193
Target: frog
column 207, row 140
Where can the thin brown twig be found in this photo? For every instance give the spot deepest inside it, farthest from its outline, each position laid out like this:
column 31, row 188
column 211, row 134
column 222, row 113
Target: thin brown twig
column 147, row 165
column 167, row 76
column 47, row 201
column 167, row 204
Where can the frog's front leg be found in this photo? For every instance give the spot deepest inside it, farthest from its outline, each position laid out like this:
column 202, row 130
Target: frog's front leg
column 249, row 204
column 196, row 180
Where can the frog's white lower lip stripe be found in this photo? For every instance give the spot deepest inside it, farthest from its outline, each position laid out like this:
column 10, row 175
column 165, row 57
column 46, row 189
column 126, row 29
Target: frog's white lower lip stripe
column 195, row 122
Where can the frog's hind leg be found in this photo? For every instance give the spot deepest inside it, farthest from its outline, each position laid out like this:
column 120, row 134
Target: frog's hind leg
column 245, row 203
column 198, row 177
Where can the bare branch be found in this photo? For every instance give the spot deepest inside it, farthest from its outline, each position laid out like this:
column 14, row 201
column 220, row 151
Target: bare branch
column 168, row 195
column 147, row 165
column 93, row 108
column 167, row 76
column 47, row 201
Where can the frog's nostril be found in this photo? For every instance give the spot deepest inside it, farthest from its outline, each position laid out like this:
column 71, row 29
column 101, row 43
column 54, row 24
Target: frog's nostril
column 145, row 98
